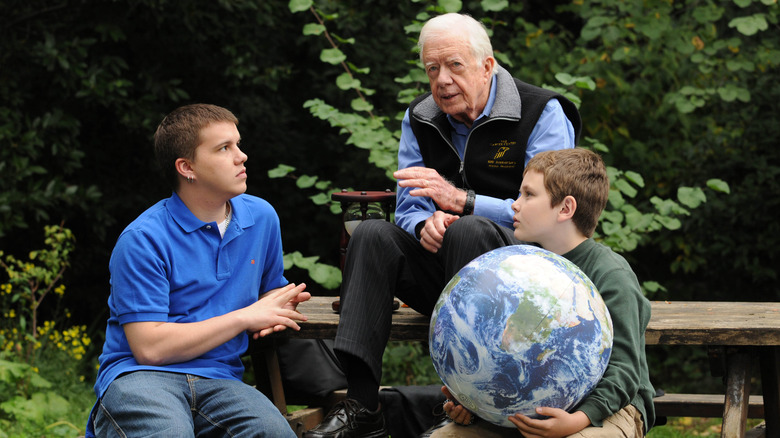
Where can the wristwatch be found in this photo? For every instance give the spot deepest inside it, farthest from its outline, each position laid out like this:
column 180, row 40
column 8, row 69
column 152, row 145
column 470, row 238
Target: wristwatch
column 470, row 198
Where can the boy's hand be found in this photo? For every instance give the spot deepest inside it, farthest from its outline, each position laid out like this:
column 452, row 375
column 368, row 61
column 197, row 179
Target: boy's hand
column 559, row 424
column 277, row 310
column 455, row 410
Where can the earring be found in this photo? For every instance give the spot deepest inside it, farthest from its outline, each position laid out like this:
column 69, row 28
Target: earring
column 189, row 179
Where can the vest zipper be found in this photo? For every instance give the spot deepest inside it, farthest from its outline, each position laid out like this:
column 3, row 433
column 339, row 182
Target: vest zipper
column 462, row 168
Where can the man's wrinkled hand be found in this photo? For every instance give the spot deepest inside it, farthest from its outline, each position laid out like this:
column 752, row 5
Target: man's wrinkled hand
column 430, row 184
column 432, row 233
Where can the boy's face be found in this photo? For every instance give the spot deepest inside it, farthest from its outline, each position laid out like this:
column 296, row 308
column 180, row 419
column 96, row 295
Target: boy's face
column 219, row 163
column 534, row 218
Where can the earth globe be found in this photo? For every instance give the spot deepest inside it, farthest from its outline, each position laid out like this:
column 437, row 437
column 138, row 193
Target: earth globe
column 519, row 328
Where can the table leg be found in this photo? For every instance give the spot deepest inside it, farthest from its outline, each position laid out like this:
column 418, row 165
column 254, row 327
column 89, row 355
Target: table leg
column 770, row 385
column 268, row 375
column 737, row 394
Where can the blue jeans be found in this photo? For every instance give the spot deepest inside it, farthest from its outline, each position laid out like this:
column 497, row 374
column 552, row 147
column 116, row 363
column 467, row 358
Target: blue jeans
column 162, row 404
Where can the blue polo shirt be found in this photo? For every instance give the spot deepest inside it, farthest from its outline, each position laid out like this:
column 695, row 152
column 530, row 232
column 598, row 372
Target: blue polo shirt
column 169, row 266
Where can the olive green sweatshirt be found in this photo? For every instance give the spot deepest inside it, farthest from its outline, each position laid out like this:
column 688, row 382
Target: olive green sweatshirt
column 626, row 379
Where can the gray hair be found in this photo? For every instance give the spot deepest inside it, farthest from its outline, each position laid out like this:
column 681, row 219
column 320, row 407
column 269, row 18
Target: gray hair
column 471, row 30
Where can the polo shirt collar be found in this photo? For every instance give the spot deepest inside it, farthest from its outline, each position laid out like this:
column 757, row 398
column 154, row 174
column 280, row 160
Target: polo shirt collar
column 189, row 222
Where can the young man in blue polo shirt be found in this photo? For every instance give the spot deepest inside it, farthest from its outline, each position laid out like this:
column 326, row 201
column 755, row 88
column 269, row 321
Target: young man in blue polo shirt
column 185, row 280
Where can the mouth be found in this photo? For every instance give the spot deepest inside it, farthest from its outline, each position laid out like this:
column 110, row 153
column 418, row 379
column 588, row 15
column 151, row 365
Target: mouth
column 242, row 173
column 447, row 96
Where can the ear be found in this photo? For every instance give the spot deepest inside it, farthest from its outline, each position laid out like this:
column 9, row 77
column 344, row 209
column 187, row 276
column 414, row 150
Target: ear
column 567, row 208
column 184, row 167
column 489, row 64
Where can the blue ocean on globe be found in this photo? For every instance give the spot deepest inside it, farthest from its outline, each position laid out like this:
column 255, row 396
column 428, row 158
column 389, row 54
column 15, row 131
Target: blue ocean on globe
column 519, row 328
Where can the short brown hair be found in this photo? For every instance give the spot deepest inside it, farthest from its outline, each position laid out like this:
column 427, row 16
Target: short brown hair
column 579, row 173
column 178, row 135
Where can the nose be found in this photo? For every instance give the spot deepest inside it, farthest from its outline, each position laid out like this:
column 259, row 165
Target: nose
column 444, row 77
column 516, row 205
column 241, row 157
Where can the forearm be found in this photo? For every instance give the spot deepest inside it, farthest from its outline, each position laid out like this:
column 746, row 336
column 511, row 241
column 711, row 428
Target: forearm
column 163, row 343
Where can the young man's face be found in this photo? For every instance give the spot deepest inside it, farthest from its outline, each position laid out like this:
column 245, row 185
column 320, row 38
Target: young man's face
column 460, row 84
column 219, row 163
column 534, row 218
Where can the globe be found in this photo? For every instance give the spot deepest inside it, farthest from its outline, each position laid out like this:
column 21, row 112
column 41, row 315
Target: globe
column 519, row 328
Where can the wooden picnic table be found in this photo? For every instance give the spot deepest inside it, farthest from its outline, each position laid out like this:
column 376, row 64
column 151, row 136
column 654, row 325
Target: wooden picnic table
column 737, row 334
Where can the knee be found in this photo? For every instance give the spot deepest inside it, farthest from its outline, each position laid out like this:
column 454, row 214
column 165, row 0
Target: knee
column 468, row 226
column 373, row 230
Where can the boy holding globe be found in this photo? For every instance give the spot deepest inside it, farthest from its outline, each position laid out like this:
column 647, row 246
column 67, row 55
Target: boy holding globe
column 562, row 196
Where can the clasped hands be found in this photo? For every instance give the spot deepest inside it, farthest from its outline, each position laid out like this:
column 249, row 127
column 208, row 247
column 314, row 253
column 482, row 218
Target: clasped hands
column 430, row 184
column 277, row 310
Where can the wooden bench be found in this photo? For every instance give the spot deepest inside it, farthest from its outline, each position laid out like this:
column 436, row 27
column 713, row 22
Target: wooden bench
column 736, row 335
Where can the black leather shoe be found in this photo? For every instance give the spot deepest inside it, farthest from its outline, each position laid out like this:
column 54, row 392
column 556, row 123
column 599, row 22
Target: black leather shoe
column 349, row 419
column 440, row 422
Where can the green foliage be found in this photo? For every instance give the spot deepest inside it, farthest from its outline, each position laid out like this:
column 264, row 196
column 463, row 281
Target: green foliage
column 42, row 390
column 408, row 363
column 623, row 225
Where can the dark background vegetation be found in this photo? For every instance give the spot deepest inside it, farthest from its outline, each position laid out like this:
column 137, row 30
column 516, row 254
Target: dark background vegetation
column 83, row 84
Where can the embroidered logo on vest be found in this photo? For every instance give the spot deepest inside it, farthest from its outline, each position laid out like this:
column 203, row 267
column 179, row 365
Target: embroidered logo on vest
column 498, row 161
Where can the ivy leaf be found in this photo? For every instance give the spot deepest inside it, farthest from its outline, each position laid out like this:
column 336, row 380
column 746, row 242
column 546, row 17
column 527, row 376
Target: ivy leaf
column 669, row 223
column 494, row 5
column 635, row 178
column 451, row 5
column 305, row 181
column 313, row 29
column 691, row 196
column 625, row 188
column 332, row 56
column 299, row 5
column 280, row 171
column 750, row 25
column 320, row 199
column 719, row 185
column 345, row 81
column 359, row 104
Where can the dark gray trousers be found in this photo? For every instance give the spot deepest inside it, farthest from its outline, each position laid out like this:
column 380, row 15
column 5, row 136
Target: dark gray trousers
column 384, row 261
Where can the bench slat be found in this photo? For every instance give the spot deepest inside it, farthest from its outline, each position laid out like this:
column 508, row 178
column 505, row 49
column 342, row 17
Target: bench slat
column 702, row 405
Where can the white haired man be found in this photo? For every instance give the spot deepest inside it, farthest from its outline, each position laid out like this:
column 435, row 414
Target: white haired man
column 463, row 149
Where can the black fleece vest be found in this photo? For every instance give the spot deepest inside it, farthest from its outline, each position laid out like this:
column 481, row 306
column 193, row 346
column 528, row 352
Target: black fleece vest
column 494, row 157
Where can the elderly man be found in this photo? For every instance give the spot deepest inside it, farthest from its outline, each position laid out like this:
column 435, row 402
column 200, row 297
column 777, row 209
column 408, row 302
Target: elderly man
column 463, row 149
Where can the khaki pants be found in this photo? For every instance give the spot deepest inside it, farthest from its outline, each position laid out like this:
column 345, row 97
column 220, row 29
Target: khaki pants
column 626, row 423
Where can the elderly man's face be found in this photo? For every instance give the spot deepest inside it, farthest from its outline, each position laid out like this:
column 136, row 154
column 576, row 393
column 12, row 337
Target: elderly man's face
column 460, row 84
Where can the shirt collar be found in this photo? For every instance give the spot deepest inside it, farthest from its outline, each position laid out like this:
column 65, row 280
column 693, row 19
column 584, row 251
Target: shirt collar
column 461, row 128
column 189, row 222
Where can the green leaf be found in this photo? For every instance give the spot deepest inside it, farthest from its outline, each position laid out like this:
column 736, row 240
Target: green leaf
column 691, row 196
column 299, row 5
column 610, row 228
column 305, row 181
column 494, row 5
column 280, row 171
column 625, row 188
column 451, row 5
column 635, row 178
column 743, row 3
column 345, row 81
column 750, row 25
column 718, row 185
column 359, row 104
column 313, row 29
column 332, row 56
column 652, row 286
column 669, row 223
column 320, row 199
